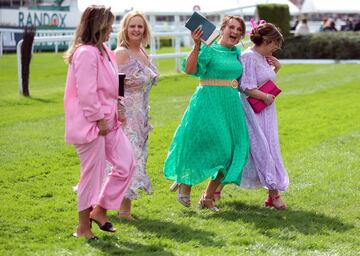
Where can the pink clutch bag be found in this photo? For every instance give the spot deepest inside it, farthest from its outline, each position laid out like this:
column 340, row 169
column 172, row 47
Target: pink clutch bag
column 268, row 87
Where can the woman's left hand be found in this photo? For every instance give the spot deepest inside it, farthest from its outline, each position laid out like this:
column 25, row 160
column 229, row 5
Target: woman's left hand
column 273, row 62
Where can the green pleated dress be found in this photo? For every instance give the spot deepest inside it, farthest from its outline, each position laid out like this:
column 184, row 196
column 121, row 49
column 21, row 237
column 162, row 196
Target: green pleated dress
column 212, row 135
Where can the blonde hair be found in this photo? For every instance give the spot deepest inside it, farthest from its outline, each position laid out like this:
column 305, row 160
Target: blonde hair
column 123, row 38
column 266, row 32
column 225, row 21
column 92, row 29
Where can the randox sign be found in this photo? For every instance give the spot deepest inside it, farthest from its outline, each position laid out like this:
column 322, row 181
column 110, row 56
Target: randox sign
column 38, row 19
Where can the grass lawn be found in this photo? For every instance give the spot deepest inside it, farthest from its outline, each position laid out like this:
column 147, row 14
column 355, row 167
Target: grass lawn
column 319, row 123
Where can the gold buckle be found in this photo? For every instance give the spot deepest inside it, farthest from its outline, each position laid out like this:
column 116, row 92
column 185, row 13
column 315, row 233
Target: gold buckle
column 234, row 83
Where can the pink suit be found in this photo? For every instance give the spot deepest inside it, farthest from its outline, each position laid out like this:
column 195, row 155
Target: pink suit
column 90, row 95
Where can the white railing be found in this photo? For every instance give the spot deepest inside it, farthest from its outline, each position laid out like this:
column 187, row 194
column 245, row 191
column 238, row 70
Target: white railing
column 67, row 38
column 178, row 37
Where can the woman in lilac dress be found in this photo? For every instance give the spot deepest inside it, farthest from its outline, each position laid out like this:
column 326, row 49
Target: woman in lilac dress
column 141, row 74
column 265, row 167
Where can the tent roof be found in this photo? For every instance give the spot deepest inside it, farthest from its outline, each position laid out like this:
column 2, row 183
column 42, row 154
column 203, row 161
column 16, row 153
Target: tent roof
column 166, row 7
column 331, row 6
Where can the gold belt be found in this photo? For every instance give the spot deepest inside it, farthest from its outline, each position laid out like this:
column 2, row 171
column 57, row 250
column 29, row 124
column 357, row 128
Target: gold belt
column 219, row 82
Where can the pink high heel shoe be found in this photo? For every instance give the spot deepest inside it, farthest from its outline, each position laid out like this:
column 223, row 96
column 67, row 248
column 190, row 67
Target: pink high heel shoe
column 269, row 202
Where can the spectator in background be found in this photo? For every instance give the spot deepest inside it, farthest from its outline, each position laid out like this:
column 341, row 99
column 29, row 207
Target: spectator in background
column 296, row 23
column 357, row 25
column 302, row 28
column 330, row 26
column 324, row 20
column 348, row 26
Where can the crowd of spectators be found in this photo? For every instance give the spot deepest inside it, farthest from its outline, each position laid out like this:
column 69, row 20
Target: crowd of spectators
column 329, row 24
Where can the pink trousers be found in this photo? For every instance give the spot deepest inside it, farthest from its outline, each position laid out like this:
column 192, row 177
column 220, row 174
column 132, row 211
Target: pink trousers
column 92, row 189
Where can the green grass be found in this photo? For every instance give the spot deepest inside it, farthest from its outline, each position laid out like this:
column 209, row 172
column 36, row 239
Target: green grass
column 319, row 123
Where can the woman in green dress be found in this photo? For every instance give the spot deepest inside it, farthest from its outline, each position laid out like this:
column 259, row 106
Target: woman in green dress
column 212, row 139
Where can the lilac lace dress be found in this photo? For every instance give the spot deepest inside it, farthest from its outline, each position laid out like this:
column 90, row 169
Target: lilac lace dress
column 138, row 82
column 265, row 167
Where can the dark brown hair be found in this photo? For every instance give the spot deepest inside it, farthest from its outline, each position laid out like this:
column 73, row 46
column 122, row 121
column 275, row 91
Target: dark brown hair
column 266, row 33
column 92, row 29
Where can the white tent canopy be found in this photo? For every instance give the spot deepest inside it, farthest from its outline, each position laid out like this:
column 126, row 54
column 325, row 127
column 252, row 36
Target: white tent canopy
column 331, row 6
column 168, row 7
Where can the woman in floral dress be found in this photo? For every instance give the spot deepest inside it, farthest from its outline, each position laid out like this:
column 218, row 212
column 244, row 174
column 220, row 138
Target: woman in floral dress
column 141, row 74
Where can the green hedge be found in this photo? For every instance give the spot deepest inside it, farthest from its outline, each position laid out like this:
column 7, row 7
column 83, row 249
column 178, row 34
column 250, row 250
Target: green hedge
column 165, row 41
column 322, row 45
column 278, row 14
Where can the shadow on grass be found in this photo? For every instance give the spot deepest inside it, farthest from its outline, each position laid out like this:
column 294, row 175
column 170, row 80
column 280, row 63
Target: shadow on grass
column 41, row 100
column 305, row 222
column 180, row 233
column 112, row 245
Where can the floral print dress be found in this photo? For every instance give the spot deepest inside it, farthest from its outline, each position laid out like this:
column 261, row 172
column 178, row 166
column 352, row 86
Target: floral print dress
column 138, row 82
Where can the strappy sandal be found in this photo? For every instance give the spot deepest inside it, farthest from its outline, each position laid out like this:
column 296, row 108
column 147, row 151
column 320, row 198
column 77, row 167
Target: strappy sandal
column 202, row 204
column 125, row 215
column 107, row 226
column 269, row 202
column 217, row 196
column 184, row 199
column 174, row 186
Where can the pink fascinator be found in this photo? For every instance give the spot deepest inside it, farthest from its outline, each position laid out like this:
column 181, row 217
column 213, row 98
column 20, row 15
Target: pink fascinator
column 254, row 25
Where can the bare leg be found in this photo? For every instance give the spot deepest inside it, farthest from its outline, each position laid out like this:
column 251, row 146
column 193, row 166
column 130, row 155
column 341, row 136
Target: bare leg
column 277, row 202
column 217, row 193
column 98, row 214
column 83, row 228
column 183, row 195
column 210, row 189
column 184, row 189
column 125, row 209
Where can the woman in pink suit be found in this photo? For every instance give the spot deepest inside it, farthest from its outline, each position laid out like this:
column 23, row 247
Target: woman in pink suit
column 92, row 122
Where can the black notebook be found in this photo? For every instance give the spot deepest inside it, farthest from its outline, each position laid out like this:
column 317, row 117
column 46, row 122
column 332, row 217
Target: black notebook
column 121, row 84
column 209, row 30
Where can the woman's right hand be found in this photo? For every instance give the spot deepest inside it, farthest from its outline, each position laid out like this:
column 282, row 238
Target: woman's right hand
column 196, row 35
column 103, row 128
column 121, row 113
column 269, row 99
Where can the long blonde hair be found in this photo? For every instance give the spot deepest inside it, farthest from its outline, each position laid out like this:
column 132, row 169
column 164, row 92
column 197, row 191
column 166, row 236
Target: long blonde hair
column 92, row 29
column 123, row 39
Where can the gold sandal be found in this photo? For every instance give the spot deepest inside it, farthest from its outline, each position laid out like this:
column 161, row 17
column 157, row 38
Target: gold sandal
column 202, row 204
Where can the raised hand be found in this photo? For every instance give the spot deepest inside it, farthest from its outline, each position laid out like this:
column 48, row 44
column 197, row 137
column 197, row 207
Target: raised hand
column 196, row 35
column 273, row 62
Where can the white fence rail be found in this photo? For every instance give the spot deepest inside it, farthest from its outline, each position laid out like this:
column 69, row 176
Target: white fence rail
column 178, row 36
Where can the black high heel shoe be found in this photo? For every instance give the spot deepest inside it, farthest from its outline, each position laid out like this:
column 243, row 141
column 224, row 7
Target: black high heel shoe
column 107, row 226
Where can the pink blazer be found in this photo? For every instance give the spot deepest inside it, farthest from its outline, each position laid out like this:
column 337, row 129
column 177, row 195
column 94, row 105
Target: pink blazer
column 91, row 94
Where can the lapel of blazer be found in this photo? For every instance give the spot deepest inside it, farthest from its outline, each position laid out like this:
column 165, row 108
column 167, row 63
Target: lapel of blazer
column 106, row 63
